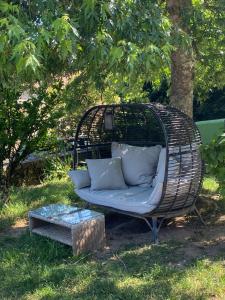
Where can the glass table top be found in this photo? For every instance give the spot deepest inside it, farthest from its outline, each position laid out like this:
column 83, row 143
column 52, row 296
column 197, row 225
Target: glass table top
column 65, row 213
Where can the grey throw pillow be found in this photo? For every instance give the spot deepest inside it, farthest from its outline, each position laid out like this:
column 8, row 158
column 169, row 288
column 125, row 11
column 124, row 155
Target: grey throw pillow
column 80, row 178
column 138, row 163
column 106, row 174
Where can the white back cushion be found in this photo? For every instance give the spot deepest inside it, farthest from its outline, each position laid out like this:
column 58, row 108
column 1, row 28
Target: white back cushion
column 138, row 163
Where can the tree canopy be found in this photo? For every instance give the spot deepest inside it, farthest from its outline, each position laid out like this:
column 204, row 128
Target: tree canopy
column 66, row 55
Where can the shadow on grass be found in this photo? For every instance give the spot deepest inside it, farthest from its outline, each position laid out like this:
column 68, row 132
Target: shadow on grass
column 36, row 268
column 154, row 273
column 30, row 261
column 24, row 199
column 32, row 267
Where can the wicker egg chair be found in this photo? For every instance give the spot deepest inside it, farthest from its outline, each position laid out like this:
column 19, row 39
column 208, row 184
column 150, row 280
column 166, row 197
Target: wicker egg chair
column 148, row 125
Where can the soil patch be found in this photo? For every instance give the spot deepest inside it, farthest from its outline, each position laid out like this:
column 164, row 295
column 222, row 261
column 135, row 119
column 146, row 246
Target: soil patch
column 196, row 240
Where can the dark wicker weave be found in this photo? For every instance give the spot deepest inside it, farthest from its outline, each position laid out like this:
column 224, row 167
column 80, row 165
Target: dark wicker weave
column 148, row 125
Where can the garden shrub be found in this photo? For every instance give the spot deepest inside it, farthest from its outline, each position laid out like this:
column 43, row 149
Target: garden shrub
column 214, row 156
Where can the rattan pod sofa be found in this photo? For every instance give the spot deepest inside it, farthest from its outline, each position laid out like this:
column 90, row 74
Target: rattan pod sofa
column 147, row 125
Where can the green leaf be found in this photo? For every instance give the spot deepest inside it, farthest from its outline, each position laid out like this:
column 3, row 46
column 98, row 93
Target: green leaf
column 89, row 6
column 116, row 53
column 32, row 62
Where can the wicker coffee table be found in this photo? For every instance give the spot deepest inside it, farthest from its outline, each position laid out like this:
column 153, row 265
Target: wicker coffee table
column 83, row 229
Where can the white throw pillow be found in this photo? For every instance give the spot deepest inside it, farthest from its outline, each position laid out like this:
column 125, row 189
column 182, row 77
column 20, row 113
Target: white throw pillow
column 106, row 174
column 80, row 178
column 138, row 163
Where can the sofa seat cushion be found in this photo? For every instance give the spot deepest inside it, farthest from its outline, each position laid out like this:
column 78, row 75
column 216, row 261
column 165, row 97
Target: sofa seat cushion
column 134, row 199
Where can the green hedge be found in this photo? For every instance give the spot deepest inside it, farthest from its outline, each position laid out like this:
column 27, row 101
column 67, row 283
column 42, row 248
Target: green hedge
column 210, row 129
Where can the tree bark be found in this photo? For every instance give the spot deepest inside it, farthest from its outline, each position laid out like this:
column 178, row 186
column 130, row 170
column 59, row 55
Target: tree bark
column 4, row 186
column 182, row 60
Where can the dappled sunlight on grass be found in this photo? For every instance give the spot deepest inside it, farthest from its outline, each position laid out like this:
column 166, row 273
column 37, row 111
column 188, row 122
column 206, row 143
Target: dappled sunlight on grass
column 34, row 267
column 45, row 292
column 211, row 186
column 23, row 199
column 29, row 262
column 205, row 278
column 213, row 195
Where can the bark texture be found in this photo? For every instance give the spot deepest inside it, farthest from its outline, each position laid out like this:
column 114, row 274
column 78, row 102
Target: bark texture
column 182, row 60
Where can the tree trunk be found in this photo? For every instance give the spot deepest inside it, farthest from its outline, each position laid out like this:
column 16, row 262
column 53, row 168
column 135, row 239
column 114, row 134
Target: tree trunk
column 4, row 186
column 182, row 60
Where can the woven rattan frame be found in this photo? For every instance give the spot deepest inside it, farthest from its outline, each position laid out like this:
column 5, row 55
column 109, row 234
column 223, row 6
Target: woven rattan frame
column 146, row 125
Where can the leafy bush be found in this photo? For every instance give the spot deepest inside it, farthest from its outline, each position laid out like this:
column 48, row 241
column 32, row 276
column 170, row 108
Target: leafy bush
column 57, row 167
column 34, row 46
column 214, row 156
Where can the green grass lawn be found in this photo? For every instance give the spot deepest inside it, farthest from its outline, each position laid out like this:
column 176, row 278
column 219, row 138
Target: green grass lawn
column 32, row 267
